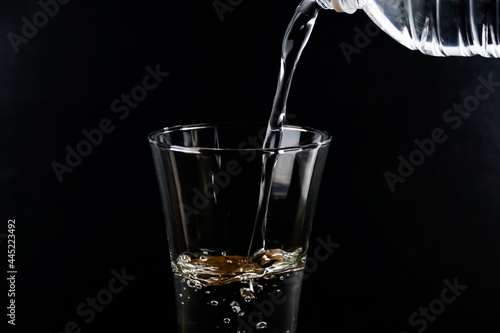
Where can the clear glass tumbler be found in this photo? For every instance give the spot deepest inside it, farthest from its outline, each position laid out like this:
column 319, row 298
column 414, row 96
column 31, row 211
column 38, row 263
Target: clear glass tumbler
column 237, row 270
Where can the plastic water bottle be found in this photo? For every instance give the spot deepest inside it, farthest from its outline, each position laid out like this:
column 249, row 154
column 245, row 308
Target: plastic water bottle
column 434, row 27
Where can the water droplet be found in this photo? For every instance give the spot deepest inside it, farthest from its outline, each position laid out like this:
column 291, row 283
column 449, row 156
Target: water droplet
column 229, row 261
column 180, row 295
column 278, row 290
column 182, row 303
column 205, row 252
column 227, row 320
column 189, row 297
column 261, row 325
column 207, row 292
column 203, row 258
column 282, row 278
column 214, row 303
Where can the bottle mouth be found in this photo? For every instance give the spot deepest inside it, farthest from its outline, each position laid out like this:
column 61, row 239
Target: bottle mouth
column 346, row 6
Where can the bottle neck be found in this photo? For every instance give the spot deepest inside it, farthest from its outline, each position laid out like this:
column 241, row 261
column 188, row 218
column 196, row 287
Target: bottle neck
column 342, row 6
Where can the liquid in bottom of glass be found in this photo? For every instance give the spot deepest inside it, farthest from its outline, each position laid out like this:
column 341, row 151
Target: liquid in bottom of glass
column 228, row 293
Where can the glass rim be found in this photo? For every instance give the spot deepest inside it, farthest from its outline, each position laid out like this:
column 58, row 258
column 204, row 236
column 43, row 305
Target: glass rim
column 326, row 138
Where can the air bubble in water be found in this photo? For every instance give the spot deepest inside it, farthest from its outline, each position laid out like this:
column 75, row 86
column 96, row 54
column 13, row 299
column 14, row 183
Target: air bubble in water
column 248, row 292
column 261, row 325
column 194, row 284
column 223, row 253
column 205, row 253
column 282, row 278
column 203, row 258
column 235, row 306
column 207, row 292
column 227, row 320
column 180, row 295
column 214, row 303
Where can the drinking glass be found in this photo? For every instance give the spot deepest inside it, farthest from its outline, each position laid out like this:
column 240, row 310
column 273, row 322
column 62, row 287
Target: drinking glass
column 238, row 234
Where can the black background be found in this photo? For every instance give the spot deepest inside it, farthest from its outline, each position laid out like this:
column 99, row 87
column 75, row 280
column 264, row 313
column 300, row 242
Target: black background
column 396, row 247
